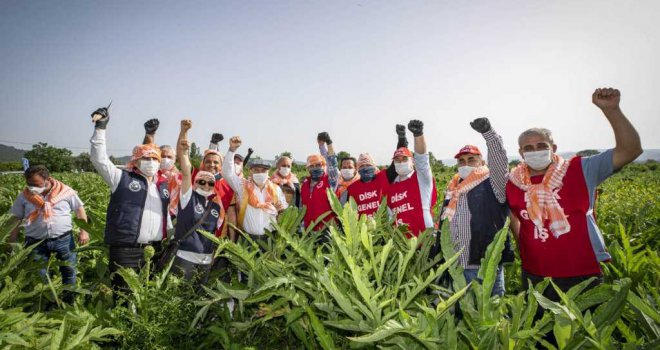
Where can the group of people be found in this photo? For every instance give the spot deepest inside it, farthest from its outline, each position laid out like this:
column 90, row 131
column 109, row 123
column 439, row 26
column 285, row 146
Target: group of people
column 549, row 200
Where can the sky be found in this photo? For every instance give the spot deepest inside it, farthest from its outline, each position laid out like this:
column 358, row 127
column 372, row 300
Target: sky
column 278, row 72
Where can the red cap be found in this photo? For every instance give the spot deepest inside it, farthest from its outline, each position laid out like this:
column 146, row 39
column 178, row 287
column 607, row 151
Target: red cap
column 468, row 149
column 402, row 152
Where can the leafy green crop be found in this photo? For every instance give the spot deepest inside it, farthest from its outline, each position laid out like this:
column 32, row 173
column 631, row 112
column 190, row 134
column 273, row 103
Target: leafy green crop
column 368, row 287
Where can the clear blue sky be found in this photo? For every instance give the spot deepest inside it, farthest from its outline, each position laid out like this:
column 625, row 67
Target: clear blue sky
column 278, row 72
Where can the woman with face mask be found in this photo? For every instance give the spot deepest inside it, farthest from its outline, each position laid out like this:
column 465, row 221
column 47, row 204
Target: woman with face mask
column 475, row 203
column 287, row 180
column 551, row 201
column 411, row 196
column 323, row 174
column 137, row 213
column 198, row 205
column 259, row 200
column 368, row 191
column 348, row 174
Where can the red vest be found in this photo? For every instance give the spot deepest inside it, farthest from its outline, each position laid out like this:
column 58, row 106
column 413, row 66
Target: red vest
column 368, row 195
column 405, row 202
column 316, row 201
column 571, row 254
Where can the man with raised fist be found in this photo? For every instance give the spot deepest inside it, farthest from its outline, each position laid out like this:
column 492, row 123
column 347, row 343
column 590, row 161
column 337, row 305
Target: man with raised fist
column 410, row 195
column 137, row 213
column 475, row 202
column 323, row 175
column 552, row 201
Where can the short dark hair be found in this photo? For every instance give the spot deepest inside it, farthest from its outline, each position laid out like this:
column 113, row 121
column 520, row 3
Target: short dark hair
column 37, row 170
column 341, row 161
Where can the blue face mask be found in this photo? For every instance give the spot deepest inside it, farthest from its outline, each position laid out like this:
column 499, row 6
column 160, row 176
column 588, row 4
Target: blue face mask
column 316, row 173
column 367, row 174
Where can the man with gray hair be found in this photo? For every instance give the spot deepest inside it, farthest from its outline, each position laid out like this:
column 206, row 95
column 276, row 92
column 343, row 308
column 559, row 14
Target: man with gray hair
column 552, row 200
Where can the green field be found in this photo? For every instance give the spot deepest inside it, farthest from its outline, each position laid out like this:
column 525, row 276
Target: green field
column 371, row 288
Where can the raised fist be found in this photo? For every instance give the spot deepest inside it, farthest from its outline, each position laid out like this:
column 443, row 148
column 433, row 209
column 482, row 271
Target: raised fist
column 480, row 125
column 101, row 117
column 186, row 124
column 400, row 131
column 151, row 125
column 606, row 98
column 416, row 127
column 216, row 137
column 234, row 143
column 324, row 137
column 250, row 151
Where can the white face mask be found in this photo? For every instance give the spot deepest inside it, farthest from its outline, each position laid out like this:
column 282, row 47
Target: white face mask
column 166, row 164
column 538, row 160
column 404, row 168
column 465, row 171
column 36, row 190
column 203, row 193
column 149, row 167
column 285, row 171
column 260, row 178
column 347, row 174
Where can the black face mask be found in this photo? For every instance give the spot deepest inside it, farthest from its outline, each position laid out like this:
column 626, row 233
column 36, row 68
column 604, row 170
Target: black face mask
column 316, row 174
column 367, row 174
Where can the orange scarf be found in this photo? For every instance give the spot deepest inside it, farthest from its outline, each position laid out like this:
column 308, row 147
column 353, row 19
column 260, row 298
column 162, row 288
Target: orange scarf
column 343, row 184
column 267, row 205
column 541, row 198
column 57, row 193
column 457, row 188
column 280, row 180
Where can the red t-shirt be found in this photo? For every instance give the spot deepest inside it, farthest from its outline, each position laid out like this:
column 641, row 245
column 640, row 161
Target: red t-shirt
column 571, row 254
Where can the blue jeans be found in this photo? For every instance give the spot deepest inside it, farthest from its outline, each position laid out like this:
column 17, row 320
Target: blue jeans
column 498, row 287
column 63, row 247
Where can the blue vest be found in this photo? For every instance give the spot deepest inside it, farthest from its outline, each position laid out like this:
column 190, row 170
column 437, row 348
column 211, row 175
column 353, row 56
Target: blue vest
column 124, row 216
column 189, row 216
column 487, row 217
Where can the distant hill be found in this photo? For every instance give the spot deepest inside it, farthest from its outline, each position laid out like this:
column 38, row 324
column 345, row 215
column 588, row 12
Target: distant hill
column 10, row 154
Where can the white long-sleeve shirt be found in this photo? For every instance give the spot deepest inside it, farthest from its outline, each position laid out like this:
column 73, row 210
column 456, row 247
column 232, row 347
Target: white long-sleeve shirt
column 151, row 226
column 256, row 221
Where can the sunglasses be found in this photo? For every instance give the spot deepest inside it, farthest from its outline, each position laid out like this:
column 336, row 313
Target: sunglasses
column 204, row 182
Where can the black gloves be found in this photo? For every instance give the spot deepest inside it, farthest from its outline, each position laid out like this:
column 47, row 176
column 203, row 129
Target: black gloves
column 215, row 138
column 324, row 137
column 102, row 122
column 401, row 134
column 151, row 125
column 481, row 125
column 416, row 127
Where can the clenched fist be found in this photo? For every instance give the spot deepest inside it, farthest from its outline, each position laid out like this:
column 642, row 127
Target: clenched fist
column 151, row 125
column 400, row 131
column 186, row 124
column 606, row 98
column 324, row 137
column 216, row 138
column 481, row 125
column 416, row 127
column 234, row 143
column 101, row 117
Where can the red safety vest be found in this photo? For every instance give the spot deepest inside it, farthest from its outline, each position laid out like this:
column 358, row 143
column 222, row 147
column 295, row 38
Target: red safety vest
column 368, row 195
column 405, row 202
column 317, row 202
column 571, row 254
